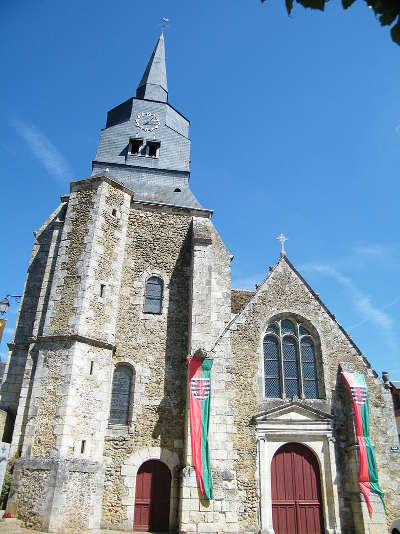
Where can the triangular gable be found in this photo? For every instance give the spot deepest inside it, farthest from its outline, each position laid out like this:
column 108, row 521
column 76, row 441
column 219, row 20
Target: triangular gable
column 260, row 288
column 294, row 411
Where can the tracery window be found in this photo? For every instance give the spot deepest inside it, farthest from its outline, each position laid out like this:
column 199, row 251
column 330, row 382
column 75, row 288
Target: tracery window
column 121, row 395
column 290, row 367
column 153, row 295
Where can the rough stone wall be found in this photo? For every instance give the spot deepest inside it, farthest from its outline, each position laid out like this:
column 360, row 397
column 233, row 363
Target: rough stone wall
column 210, row 314
column 284, row 291
column 78, row 490
column 155, row 345
column 105, row 259
column 33, row 496
column 70, row 390
column 33, row 308
column 64, row 297
column 56, row 495
column 101, row 264
column 52, row 381
column 68, row 404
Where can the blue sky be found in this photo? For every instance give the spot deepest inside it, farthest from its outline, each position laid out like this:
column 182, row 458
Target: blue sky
column 295, row 128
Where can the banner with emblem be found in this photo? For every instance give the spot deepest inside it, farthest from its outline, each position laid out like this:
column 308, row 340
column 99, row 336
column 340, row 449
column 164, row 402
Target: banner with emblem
column 2, row 325
column 368, row 470
column 199, row 395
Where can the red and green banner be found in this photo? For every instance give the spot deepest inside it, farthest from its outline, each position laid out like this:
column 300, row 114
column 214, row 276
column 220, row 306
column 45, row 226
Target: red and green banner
column 2, row 325
column 199, row 394
column 368, row 470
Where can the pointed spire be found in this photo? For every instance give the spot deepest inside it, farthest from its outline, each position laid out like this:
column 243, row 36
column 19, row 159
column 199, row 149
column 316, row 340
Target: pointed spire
column 153, row 85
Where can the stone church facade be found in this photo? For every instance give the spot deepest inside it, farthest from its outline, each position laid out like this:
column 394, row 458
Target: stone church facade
column 128, row 276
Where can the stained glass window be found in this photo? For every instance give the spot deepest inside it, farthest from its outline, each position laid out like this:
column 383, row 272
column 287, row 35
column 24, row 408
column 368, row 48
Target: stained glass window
column 310, row 386
column 153, row 297
column 287, row 327
column 272, row 367
column 273, row 328
column 121, row 395
column 303, row 331
column 290, row 366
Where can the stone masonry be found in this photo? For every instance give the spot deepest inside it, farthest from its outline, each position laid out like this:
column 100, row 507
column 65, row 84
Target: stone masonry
column 84, row 317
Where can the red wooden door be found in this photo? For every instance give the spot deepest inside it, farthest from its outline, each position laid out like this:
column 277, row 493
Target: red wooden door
column 153, row 489
column 296, row 491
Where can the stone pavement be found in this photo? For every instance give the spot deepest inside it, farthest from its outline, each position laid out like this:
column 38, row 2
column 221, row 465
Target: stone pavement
column 13, row 526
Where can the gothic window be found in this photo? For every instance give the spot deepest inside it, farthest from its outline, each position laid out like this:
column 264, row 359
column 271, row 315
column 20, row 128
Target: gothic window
column 272, row 367
column 289, row 361
column 121, row 395
column 153, row 295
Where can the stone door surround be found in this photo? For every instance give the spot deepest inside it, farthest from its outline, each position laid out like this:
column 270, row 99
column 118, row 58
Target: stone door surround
column 129, row 471
column 297, row 422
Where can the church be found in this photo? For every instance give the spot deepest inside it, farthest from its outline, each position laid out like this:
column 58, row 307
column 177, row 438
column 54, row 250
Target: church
column 128, row 277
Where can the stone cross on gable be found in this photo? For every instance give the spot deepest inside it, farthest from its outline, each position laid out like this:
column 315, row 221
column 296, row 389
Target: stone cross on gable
column 282, row 238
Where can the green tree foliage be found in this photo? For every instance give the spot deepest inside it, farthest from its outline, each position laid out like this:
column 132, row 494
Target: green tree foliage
column 386, row 11
column 8, row 480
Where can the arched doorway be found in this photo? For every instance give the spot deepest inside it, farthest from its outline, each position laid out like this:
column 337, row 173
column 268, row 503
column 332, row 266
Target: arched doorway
column 296, row 491
column 152, row 500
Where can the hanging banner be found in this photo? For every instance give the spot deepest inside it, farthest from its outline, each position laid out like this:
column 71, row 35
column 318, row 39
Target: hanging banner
column 2, row 325
column 199, row 396
column 368, row 470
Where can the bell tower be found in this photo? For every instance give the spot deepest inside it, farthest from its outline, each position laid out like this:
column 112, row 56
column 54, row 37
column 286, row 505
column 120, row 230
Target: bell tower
column 145, row 144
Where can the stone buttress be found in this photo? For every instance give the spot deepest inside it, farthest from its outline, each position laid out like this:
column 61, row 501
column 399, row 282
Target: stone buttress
column 209, row 316
column 84, row 316
column 30, row 322
column 59, row 476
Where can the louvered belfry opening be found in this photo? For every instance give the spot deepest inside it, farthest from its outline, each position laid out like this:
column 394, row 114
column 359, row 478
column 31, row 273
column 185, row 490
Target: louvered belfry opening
column 154, row 294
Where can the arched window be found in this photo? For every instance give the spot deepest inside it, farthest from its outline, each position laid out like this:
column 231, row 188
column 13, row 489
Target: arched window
column 309, row 370
column 290, row 366
column 121, row 395
column 153, row 295
column 272, row 367
column 289, row 361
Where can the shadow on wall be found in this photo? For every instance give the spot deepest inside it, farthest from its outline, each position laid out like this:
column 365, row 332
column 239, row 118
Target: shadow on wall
column 11, row 387
column 170, row 426
column 346, row 455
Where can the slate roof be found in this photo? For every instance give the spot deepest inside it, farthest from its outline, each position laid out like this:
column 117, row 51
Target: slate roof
column 150, row 189
column 239, row 299
column 164, row 194
column 154, row 80
column 154, row 193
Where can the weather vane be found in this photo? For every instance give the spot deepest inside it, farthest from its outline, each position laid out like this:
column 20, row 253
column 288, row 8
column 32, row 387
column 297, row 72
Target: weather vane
column 282, row 238
column 164, row 22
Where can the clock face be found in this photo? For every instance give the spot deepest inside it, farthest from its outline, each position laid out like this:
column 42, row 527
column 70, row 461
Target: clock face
column 147, row 121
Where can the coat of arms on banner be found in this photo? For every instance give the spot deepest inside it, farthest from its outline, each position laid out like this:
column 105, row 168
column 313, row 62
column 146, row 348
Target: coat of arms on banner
column 359, row 394
column 200, row 388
